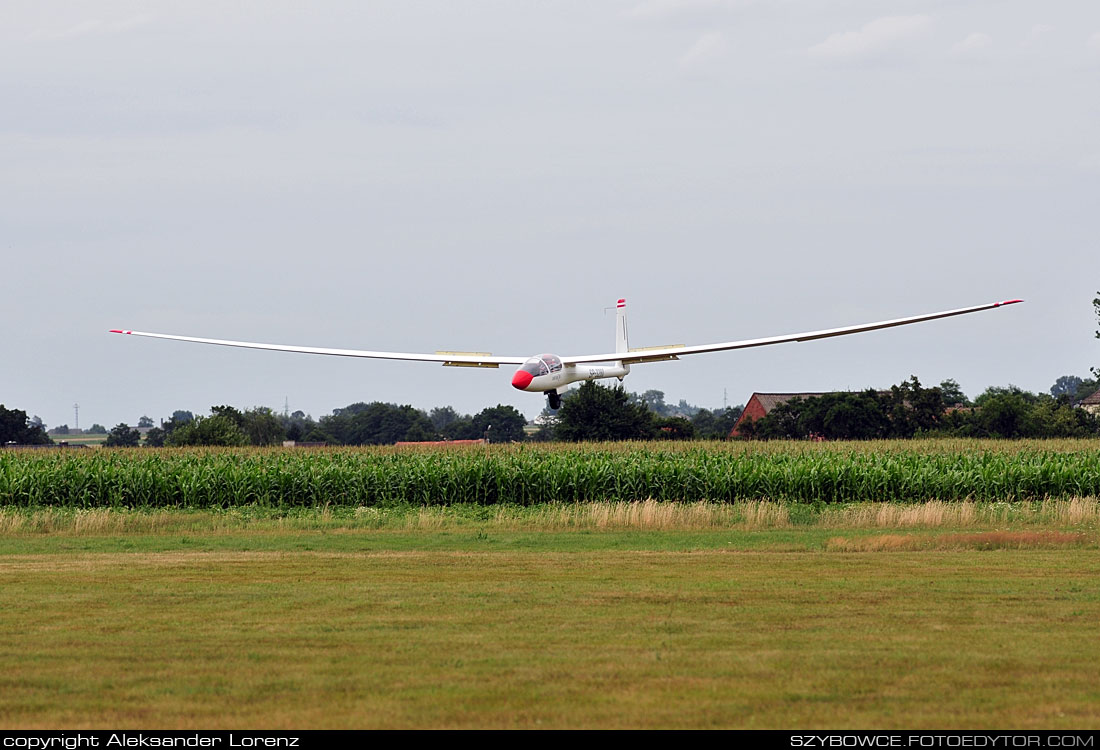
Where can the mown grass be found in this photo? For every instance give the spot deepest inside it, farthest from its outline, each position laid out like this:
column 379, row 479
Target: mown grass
column 613, row 616
column 569, row 637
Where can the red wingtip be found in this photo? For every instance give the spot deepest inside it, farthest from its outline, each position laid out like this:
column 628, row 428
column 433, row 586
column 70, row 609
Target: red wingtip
column 115, row 330
column 1010, row 302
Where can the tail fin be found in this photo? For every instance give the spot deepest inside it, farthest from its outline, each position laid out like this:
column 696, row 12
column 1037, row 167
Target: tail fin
column 622, row 346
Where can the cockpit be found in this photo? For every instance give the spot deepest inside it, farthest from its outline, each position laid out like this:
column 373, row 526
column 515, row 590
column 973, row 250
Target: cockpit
column 544, row 364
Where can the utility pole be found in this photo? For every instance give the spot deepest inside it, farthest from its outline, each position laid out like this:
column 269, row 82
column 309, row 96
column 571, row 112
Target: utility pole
column 76, row 409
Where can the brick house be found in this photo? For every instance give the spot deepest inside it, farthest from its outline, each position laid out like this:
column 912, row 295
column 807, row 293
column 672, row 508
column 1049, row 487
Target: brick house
column 1092, row 403
column 761, row 404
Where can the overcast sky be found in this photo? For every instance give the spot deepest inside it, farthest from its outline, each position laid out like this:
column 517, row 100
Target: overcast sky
column 490, row 176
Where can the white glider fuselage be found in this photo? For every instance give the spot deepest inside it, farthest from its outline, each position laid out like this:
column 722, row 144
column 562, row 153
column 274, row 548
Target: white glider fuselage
column 548, row 372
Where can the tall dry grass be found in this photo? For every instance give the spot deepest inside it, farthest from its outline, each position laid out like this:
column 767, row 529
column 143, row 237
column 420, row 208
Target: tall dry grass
column 1075, row 513
column 937, row 514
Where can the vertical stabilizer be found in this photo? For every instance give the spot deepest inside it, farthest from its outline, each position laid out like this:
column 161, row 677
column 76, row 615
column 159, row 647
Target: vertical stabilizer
column 622, row 346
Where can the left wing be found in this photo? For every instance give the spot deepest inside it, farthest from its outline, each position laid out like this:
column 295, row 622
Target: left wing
column 656, row 354
column 454, row 359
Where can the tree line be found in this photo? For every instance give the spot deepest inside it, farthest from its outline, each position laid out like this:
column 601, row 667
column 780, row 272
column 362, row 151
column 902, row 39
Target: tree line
column 910, row 410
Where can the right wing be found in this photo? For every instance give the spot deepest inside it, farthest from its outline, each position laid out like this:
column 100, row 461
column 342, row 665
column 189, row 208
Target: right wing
column 655, row 354
column 454, row 359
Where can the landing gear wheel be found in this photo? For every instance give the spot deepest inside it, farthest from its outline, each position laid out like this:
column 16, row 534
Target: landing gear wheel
column 554, row 399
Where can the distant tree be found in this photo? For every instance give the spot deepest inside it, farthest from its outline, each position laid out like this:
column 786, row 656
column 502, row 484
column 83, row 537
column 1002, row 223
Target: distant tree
column 1067, row 385
column 914, row 409
column 97, row 429
column 952, row 393
column 596, row 412
column 144, row 421
column 450, row 425
column 229, row 412
column 61, row 429
column 716, row 424
column 179, row 419
column 155, row 437
column 375, row 424
column 500, row 424
column 123, row 436
column 297, row 425
column 674, row 428
column 218, row 429
column 262, row 426
column 16, row 428
column 653, row 400
column 994, row 391
column 462, row 428
column 1003, row 413
column 442, row 416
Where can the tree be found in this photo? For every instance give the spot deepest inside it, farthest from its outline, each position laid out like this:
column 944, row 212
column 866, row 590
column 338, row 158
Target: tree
column 442, row 416
column 145, row 421
column 674, row 428
column 915, row 409
column 155, row 437
column 97, row 429
column 16, row 428
column 219, row 429
column 716, row 424
column 1067, row 385
column 652, row 399
column 596, row 412
column 952, row 393
column 500, row 424
column 123, row 436
column 262, row 427
column 297, row 425
column 375, row 424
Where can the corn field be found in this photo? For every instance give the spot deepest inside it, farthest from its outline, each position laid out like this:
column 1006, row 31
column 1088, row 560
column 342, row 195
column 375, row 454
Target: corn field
column 909, row 471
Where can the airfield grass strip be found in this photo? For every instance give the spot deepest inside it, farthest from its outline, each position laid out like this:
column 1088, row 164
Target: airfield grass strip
column 890, row 471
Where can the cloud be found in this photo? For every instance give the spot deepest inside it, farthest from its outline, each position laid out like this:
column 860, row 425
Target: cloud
column 1036, row 35
column 709, row 50
column 975, row 47
column 94, row 27
column 874, row 39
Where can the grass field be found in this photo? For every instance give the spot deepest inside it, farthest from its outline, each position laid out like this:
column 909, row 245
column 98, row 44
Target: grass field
column 606, row 615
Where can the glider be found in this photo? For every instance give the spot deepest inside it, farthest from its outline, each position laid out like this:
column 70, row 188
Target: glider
column 551, row 374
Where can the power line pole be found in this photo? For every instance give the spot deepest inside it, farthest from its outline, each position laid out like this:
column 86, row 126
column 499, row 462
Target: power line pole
column 76, row 409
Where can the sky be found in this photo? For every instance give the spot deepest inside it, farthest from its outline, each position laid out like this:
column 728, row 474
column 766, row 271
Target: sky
column 492, row 176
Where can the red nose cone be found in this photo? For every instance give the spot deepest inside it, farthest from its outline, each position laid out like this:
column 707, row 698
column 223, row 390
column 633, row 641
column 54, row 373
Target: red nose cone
column 521, row 379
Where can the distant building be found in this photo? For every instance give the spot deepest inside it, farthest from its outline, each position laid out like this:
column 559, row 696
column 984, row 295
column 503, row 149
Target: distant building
column 1092, row 403
column 761, row 404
